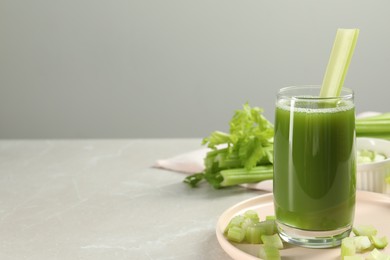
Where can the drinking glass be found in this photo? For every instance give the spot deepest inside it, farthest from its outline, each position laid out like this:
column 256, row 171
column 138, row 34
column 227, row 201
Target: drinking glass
column 314, row 181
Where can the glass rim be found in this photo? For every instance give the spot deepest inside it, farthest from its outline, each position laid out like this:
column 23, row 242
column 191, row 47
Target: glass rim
column 287, row 92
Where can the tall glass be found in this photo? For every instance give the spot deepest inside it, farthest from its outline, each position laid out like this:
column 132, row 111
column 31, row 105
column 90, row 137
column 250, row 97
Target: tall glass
column 314, row 166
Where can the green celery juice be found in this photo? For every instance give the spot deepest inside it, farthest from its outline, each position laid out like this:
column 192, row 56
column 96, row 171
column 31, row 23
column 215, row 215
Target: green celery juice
column 314, row 164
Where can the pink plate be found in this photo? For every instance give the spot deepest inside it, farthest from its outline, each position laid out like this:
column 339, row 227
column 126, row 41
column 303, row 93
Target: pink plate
column 371, row 209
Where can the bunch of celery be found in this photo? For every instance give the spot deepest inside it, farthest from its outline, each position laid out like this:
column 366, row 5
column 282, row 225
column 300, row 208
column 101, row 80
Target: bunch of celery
column 243, row 155
column 377, row 126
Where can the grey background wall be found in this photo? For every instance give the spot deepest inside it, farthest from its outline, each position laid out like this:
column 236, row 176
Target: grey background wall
column 173, row 68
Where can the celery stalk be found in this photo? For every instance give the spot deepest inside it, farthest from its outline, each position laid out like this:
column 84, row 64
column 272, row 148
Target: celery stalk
column 241, row 175
column 340, row 58
column 374, row 126
column 248, row 144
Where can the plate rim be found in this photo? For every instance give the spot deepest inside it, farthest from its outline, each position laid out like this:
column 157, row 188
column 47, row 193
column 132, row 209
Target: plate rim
column 236, row 253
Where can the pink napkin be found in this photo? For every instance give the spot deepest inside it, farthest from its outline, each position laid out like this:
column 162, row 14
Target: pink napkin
column 190, row 162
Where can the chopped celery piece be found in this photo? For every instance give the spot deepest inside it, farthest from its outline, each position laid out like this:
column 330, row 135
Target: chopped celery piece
column 253, row 234
column 270, row 217
column 379, row 242
column 248, row 228
column 340, row 58
column 364, row 230
column 362, row 243
column 377, row 255
column 251, row 214
column 247, row 222
column 365, row 156
column 272, row 240
column 236, row 234
column 368, row 156
column 267, row 227
column 348, row 247
column 269, row 253
column 236, row 221
column 352, row 245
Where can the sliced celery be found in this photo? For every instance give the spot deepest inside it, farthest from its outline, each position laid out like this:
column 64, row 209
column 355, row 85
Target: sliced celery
column 348, row 247
column 367, row 156
column 269, row 253
column 248, row 222
column 251, row 214
column 340, row 58
column 377, row 255
column 268, row 227
column 236, row 234
column 253, row 234
column 364, row 230
column 272, row 240
column 379, row 242
column 270, row 217
column 362, row 243
column 236, row 221
column 352, row 245
column 240, row 225
column 249, row 226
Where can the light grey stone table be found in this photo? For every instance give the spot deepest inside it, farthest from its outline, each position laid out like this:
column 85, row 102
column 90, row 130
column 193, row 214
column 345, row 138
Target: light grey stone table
column 102, row 199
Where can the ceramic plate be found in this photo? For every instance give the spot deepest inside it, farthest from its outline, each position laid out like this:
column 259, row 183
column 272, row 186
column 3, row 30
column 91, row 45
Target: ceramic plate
column 371, row 208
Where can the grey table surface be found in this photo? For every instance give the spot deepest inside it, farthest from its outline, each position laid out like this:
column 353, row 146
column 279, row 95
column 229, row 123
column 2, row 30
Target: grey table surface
column 102, row 199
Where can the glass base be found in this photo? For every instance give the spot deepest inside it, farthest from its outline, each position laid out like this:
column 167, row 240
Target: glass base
column 313, row 239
